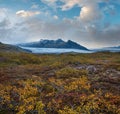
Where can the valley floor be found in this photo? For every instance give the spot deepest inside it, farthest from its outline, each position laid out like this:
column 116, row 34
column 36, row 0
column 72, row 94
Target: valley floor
column 60, row 83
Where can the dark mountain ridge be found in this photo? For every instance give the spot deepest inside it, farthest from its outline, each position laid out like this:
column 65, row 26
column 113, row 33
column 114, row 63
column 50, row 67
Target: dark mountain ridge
column 54, row 44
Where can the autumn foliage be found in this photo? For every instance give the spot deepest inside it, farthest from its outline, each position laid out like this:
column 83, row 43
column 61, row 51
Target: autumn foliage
column 60, row 84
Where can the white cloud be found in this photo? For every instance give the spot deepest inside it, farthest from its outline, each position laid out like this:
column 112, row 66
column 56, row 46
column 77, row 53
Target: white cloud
column 3, row 13
column 23, row 13
column 50, row 2
column 89, row 8
column 36, row 29
column 68, row 4
column 34, row 6
column 55, row 17
column 90, row 13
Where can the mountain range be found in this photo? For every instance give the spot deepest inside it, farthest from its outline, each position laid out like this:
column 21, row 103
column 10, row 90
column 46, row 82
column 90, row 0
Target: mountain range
column 51, row 44
column 54, row 44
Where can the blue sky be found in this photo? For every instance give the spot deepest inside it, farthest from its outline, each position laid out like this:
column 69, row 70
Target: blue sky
column 92, row 23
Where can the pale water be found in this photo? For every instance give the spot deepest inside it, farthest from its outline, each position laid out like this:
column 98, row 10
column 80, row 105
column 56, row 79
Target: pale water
column 58, row 50
column 55, row 50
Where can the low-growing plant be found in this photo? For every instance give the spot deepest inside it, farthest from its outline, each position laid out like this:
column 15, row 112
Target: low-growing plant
column 68, row 72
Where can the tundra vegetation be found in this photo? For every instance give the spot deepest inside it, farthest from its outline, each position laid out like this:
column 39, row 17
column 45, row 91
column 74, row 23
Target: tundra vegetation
column 60, row 84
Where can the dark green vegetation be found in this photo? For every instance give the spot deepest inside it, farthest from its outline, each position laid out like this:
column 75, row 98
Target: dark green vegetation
column 60, row 84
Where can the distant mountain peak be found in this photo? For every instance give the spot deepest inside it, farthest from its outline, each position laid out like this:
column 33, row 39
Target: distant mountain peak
column 59, row 40
column 70, row 41
column 59, row 43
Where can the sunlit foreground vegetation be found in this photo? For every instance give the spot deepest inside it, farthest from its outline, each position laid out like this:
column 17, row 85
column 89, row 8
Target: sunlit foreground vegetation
column 60, row 84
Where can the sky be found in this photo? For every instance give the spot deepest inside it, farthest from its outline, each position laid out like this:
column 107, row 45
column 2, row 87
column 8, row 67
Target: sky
column 91, row 23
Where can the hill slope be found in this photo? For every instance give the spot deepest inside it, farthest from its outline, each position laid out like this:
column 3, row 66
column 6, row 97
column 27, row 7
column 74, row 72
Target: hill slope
column 11, row 48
